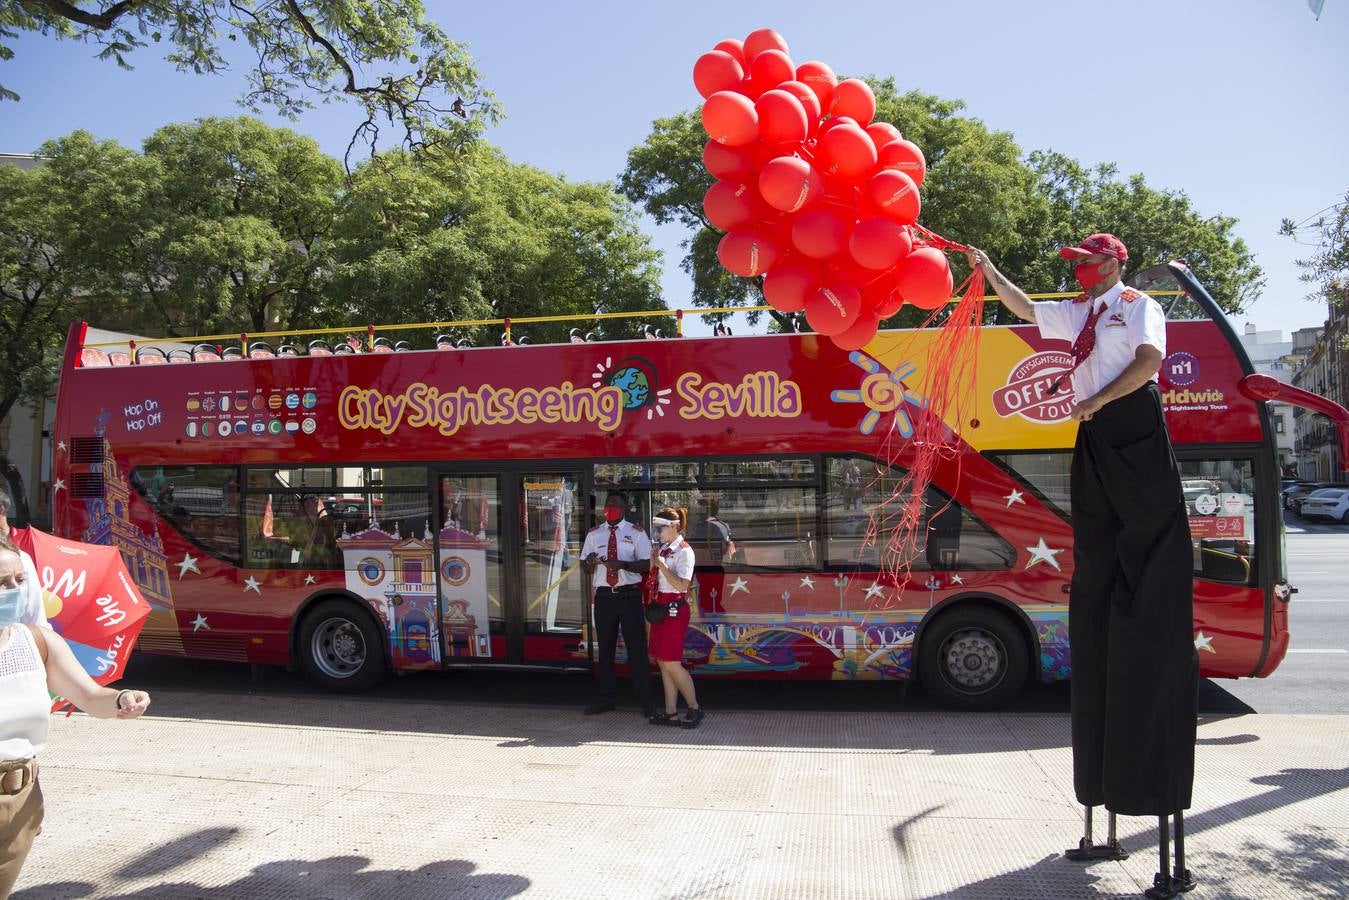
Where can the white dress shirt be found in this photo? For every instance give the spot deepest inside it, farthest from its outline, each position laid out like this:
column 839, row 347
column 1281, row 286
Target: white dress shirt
column 1130, row 320
column 680, row 562
column 633, row 544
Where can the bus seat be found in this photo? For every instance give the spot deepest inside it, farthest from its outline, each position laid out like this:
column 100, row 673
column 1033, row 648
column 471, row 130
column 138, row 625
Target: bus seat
column 179, row 355
column 92, row 357
column 260, row 350
column 401, row 347
column 150, row 356
column 382, row 345
column 575, row 336
column 650, row 333
column 232, row 353
column 343, row 350
column 288, row 350
column 205, row 353
column 444, row 342
column 320, row 348
column 119, row 358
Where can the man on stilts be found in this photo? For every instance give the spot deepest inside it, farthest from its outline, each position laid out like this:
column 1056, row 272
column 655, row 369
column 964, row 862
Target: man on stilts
column 1135, row 680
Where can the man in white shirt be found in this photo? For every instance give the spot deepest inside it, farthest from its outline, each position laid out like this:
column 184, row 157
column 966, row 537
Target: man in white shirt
column 35, row 614
column 617, row 555
column 1131, row 610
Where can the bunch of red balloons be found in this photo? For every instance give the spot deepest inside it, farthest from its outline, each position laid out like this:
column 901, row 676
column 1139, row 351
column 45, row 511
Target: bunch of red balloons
column 812, row 193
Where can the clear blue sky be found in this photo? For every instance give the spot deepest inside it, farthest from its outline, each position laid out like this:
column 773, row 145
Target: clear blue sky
column 1239, row 103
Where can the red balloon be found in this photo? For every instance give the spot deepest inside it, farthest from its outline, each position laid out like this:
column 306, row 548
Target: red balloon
column 730, row 119
column 715, row 71
column 749, row 252
column 770, row 68
column 895, row 194
column 782, row 119
column 854, row 98
column 883, row 133
column 735, row 48
column 859, row 333
column 907, row 158
column 791, row 282
column 924, row 278
column 847, row 151
column 820, row 79
column 819, row 234
column 789, row 184
column 734, row 163
column 879, row 243
column 835, row 121
column 833, row 307
column 730, row 205
column 809, row 102
column 763, row 39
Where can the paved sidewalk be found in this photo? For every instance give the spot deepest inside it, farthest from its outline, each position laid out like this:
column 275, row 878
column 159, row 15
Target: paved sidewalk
column 228, row 796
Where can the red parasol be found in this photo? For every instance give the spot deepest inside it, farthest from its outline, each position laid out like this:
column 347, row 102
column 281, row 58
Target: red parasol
column 91, row 599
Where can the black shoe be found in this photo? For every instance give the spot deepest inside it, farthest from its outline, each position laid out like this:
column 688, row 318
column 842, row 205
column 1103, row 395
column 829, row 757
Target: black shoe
column 665, row 719
column 649, row 712
column 603, row 706
column 692, row 718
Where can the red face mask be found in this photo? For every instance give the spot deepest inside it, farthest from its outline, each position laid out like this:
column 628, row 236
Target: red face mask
column 613, row 514
column 1089, row 275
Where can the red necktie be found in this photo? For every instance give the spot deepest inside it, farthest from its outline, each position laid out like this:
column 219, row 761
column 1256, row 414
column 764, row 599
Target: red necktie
column 610, row 572
column 1082, row 347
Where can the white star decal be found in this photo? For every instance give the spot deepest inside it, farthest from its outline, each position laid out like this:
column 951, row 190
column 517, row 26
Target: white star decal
column 1203, row 642
column 199, row 623
column 956, row 579
column 1014, row 497
column 1042, row 553
column 188, row 564
column 808, row 582
column 61, row 446
column 874, row 591
column 252, row 585
column 737, row 586
column 59, row 485
column 310, row 579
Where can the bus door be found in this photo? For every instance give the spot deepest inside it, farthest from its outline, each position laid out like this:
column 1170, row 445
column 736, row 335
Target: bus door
column 546, row 566
column 469, row 570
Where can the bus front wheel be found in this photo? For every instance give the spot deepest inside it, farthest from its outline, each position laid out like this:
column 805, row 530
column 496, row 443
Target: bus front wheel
column 972, row 658
column 340, row 648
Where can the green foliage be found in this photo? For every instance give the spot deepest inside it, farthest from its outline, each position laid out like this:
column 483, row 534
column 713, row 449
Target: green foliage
column 400, row 69
column 981, row 189
column 229, row 225
column 1327, row 268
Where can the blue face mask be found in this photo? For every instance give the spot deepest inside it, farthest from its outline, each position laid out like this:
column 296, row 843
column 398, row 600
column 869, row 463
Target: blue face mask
column 13, row 601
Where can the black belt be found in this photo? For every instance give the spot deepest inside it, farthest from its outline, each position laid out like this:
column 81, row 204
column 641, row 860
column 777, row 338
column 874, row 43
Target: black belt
column 618, row 587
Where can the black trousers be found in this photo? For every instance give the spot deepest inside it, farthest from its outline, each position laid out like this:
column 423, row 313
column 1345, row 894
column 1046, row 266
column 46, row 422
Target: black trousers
column 622, row 608
column 1135, row 680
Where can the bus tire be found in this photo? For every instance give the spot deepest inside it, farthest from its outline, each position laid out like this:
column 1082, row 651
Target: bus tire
column 340, row 648
column 972, row 658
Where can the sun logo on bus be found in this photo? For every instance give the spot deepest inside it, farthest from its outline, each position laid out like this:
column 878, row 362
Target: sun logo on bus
column 882, row 392
column 636, row 378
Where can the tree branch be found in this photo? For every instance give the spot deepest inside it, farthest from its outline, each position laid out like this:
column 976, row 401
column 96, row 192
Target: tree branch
column 102, row 21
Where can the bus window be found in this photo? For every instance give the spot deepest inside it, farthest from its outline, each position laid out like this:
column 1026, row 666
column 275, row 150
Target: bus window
column 861, row 495
column 760, row 527
column 1047, row 473
column 200, row 502
column 1220, row 502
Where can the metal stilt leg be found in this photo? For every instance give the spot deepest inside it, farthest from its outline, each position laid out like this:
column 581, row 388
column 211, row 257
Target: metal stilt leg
column 1089, row 851
column 1161, row 882
column 1181, row 881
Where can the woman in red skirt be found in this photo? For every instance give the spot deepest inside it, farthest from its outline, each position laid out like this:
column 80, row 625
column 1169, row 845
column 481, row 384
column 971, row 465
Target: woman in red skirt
column 674, row 571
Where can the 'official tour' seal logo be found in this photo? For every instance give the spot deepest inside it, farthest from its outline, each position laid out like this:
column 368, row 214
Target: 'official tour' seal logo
column 1026, row 393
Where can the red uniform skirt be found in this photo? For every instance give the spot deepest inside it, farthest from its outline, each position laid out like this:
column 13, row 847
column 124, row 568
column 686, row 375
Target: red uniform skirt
column 666, row 641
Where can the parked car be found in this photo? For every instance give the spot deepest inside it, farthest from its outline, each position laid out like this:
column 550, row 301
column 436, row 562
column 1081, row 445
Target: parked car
column 1294, row 496
column 1327, row 503
column 1194, row 488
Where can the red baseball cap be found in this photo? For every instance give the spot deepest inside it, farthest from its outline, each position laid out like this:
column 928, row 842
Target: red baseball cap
column 1105, row 244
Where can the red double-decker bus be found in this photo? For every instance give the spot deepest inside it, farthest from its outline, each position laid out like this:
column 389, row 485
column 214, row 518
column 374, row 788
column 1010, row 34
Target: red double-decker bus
column 360, row 512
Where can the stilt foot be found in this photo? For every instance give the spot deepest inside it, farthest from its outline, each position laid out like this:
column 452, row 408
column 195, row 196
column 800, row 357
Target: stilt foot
column 1086, row 851
column 1167, row 886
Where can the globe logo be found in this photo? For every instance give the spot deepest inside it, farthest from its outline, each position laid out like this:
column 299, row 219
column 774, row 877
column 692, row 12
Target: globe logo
column 634, row 384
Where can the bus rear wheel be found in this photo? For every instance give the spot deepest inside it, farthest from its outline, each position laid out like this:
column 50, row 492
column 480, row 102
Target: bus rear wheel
column 972, row 658
column 340, row 647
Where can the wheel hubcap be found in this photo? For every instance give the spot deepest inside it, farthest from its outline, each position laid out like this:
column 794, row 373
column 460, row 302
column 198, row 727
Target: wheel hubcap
column 974, row 659
column 338, row 648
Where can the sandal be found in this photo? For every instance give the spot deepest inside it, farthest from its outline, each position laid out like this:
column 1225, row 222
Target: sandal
column 692, row 718
column 666, row 719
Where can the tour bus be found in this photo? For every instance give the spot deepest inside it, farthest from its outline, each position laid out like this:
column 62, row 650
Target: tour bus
column 353, row 513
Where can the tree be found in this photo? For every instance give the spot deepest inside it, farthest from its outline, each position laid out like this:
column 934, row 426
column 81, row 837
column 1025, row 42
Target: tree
column 424, row 240
column 420, row 83
column 980, row 189
column 1327, row 269
column 220, row 225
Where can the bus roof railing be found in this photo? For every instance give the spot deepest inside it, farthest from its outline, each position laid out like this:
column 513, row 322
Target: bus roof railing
column 138, row 349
